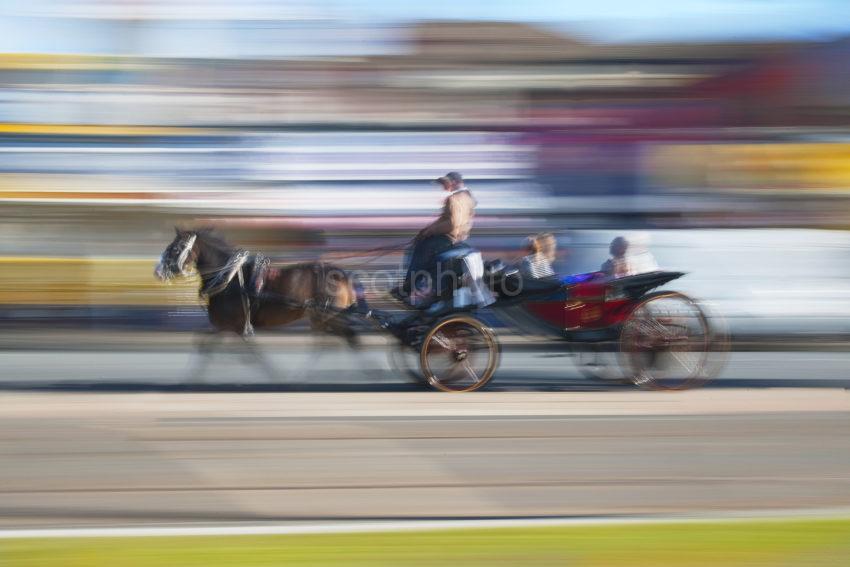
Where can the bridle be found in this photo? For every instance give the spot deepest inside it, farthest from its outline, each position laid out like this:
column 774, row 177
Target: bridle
column 188, row 244
column 185, row 246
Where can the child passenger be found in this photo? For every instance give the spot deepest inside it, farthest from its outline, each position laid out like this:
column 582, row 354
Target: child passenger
column 540, row 250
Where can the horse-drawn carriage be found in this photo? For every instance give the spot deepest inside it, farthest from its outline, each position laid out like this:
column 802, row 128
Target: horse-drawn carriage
column 620, row 328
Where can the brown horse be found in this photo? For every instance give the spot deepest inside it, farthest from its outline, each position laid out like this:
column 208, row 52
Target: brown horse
column 322, row 292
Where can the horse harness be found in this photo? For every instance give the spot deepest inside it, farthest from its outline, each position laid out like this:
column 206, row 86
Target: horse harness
column 252, row 281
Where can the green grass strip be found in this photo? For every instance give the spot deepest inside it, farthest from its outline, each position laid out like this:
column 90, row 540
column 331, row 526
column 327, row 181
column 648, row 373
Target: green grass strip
column 711, row 544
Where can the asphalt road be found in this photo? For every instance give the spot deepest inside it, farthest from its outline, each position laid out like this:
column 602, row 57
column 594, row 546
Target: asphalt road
column 299, row 366
column 83, row 459
column 118, row 436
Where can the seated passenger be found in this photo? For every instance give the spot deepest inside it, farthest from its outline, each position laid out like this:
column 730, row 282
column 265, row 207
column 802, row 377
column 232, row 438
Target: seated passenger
column 640, row 259
column 540, row 255
column 617, row 265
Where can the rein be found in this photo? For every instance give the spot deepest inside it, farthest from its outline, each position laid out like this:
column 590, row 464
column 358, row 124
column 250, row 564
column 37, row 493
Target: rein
column 376, row 253
column 224, row 275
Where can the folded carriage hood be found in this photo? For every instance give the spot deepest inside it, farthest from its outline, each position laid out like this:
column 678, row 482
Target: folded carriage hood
column 639, row 284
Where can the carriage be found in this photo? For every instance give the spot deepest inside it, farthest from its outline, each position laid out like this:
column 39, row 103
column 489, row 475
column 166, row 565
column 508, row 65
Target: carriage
column 619, row 328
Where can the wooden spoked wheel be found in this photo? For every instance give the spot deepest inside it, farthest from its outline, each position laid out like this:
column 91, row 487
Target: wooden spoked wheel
column 459, row 354
column 666, row 343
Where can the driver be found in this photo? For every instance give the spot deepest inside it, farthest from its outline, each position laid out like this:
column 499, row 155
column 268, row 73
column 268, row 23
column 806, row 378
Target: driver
column 448, row 232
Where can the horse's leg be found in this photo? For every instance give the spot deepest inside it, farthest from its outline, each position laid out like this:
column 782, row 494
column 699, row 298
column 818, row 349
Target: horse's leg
column 310, row 350
column 259, row 356
column 205, row 350
column 342, row 325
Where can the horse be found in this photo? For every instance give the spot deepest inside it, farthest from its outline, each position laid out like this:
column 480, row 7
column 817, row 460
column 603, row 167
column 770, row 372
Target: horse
column 231, row 278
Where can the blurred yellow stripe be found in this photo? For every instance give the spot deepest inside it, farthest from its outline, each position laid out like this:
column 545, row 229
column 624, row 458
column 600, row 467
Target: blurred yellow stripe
column 69, row 62
column 73, row 260
column 75, row 187
column 771, row 167
column 32, row 280
column 100, row 130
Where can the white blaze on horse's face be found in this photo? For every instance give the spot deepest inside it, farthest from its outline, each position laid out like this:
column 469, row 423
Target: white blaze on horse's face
column 173, row 260
column 184, row 254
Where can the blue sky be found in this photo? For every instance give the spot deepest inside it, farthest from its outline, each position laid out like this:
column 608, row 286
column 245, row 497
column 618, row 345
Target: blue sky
column 62, row 26
column 635, row 19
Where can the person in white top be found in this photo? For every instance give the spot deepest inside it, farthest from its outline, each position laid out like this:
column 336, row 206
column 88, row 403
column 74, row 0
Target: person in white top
column 541, row 253
column 640, row 259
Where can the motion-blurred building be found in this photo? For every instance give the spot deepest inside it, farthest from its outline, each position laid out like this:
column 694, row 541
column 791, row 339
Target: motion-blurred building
column 505, row 103
column 300, row 132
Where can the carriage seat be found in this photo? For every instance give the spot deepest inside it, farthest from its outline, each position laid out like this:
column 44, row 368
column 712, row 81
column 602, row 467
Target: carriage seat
column 472, row 292
column 461, row 269
column 509, row 282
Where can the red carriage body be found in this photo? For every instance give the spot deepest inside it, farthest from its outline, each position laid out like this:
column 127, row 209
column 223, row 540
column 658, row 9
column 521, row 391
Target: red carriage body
column 623, row 323
column 597, row 303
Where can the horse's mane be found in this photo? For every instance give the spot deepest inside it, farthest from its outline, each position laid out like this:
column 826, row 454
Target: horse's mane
column 213, row 238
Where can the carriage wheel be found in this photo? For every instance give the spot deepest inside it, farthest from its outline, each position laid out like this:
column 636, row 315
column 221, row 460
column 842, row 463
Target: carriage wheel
column 666, row 343
column 459, row 354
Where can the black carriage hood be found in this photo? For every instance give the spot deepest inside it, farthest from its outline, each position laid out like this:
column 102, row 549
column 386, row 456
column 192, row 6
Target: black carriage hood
column 637, row 285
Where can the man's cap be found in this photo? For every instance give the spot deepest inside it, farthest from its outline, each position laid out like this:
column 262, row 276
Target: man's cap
column 452, row 176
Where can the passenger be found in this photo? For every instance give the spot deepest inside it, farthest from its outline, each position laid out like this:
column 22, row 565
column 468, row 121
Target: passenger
column 617, row 265
column 640, row 259
column 541, row 253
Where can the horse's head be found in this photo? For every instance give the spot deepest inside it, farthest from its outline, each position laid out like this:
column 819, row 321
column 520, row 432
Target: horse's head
column 178, row 256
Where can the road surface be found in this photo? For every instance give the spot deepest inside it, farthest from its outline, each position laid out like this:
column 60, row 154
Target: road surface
column 299, row 365
column 189, row 458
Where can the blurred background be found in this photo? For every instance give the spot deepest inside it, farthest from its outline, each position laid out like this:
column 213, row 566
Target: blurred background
column 718, row 131
column 302, row 129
